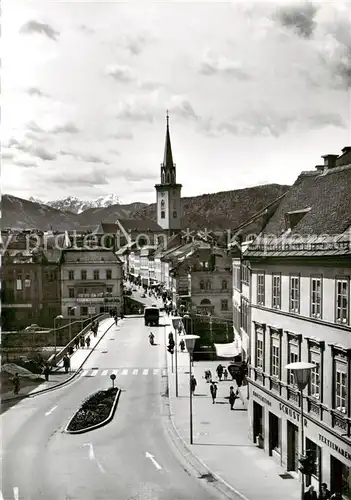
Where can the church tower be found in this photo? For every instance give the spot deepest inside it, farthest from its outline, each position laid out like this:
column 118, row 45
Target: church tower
column 168, row 192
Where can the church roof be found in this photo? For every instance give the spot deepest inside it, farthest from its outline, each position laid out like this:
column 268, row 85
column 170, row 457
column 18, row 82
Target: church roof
column 168, row 157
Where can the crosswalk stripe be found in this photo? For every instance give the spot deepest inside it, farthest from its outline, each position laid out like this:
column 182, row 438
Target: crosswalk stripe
column 146, row 371
column 104, row 372
column 114, row 372
column 156, row 370
column 124, row 372
column 135, row 371
column 84, row 372
column 93, row 373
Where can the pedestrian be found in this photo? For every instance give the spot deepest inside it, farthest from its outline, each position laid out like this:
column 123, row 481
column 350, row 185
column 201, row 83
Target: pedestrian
column 324, row 492
column 82, row 341
column 232, row 397
column 76, row 342
column 193, row 384
column 225, row 373
column 182, row 345
column 87, row 341
column 46, row 372
column 208, row 375
column 116, row 319
column 66, row 363
column 213, row 390
column 219, row 370
column 310, row 494
column 16, row 384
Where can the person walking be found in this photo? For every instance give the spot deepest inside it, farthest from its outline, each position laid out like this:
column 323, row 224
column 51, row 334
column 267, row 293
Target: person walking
column 182, row 345
column 87, row 341
column 232, row 397
column 193, row 384
column 219, row 370
column 225, row 373
column 46, row 372
column 66, row 363
column 16, row 384
column 310, row 494
column 213, row 390
column 324, row 493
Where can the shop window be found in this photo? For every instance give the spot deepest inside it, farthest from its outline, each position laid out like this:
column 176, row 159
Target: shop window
column 316, row 297
column 294, row 299
column 276, row 291
column 261, row 289
column 71, row 275
column 316, row 452
column 342, row 301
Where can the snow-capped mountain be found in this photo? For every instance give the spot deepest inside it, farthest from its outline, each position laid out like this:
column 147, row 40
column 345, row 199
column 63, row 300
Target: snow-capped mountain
column 77, row 206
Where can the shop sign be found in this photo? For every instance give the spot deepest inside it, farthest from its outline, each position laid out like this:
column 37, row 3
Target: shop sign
column 261, row 398
column 344, row 453
column 295, row 415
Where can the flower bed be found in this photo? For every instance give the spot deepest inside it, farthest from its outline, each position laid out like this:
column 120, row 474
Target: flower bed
column 94, row 410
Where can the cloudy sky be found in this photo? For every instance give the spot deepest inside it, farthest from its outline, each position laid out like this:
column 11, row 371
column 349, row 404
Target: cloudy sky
column 256, row 92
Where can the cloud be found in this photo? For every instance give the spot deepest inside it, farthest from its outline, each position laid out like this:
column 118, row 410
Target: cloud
column 135, row 44
column 114, row 152
column 214, row 64
column 89, row 158
column 7, row 155
column 39, row 28
column 123, row 134
column 298, row 17
column 34, row 127
column 120, row 73
column 92, row 177
column 66, row 128
column 86, row 29
column 34, row 91
column 31, row 149
column 180, row 106
column 129, row 111
column 135, row 176
column 25, row 163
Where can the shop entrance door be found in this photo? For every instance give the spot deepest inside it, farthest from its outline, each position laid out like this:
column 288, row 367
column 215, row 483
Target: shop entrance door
column 274, row 433
column 293, row 447
column 340, row 478
column 257, row 420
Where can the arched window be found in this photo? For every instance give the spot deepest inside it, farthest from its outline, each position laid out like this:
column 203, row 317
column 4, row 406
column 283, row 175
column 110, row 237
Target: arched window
column 205, row 302
column 202, row 285
column 224, row 285
column 163, row 215
column 163, row 203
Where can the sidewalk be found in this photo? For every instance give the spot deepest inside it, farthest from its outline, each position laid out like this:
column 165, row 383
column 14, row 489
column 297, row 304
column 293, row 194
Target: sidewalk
column 220, row 435
column 59, row 375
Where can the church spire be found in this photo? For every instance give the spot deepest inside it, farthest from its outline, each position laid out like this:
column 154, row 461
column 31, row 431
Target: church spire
column 168, row 172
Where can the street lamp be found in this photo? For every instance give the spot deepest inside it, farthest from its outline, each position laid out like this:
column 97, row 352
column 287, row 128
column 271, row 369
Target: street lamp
column 70, row 321
column 55, row 339
column 190, row 344
column 301, row 371
column 176, row 321
column 190, row 321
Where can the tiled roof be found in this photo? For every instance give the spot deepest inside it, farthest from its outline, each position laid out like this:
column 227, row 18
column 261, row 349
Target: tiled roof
column 131, row 225
column 72, row 255
column 327, row 197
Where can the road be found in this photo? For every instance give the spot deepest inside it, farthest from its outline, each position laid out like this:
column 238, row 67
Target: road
column 131, row 458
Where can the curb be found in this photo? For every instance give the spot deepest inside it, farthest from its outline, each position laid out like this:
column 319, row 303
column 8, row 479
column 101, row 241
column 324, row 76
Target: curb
column 96, row 426
column 60, row 384
column 192, row 459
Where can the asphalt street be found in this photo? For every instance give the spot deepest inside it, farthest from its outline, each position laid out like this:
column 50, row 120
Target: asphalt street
column 131, row 458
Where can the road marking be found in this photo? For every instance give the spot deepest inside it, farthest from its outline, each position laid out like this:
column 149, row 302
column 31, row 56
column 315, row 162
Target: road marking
column 93, row 373
column 84, row 372
column 135, row 371
column 16, row 493
column 148, row 455
column 93, row 457
column 114, row 372
column 104, row 372
column 124, row 372
column 156, row 371
column 146, row 371
column 50, row 411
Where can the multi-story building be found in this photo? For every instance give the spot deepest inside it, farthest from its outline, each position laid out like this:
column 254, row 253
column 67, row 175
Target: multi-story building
column 300, row 311
column 91, row 282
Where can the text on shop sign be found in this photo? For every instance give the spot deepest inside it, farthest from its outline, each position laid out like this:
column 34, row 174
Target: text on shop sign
column 261, row 398
column 291, row 413
column 335, row 447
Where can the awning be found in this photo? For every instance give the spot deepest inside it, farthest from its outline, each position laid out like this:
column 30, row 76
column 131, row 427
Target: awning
column 228, row 350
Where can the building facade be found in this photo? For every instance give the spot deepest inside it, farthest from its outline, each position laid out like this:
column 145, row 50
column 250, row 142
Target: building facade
column 300, row 311
column 91, row 282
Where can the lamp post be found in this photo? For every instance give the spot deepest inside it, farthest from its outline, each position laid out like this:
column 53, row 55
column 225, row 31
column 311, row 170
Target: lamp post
column 175, row 326
column 70, row 322
column 301, row 372
column 55, row 339
column 190, row 344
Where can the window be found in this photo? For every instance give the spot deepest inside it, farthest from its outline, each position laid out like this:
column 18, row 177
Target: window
column 244, row 314
column 294, row 294
column 224, row 305
column 340, row 382
column 260, row 335
column 204, row 265
column 202, row 285
column 224, row 285
column 275, row 368
column 162, row 204
column 71, row 311
column 315, row 381
column 174, row 214
column 108, row 274
column 96, row 274
column 276, row 291
column 316, row 452
column 236, row 275
column 261, row 289
column 316, row 297
column 83, row 275
column 342, row 301
column 163, row 215
column 294, row 343
column 109, row 289
column 245, row 273
column 236, row 316
column 71, row 293
column 208, row 285
column 19, row 283
column 84, row 311
column 71, row 275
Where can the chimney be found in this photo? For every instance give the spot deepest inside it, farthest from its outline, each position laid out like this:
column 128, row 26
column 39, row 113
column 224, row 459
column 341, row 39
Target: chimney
column 346, row 149
column 320, row 168
column 330, row 161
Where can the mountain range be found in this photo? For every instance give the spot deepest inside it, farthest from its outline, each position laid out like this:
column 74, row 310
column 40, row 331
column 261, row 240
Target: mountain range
column 77, row 206
column 224, row 210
